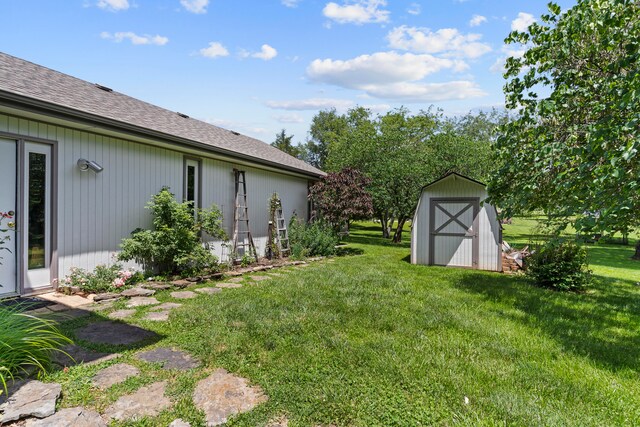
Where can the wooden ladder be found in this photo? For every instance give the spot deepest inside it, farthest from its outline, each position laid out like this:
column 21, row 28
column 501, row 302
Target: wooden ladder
column 242, row 239
column 282, row 233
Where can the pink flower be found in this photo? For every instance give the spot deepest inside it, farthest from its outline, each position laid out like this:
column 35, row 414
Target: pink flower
column 118, row 283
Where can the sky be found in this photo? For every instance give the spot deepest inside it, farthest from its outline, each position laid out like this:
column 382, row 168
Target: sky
column 260, row 66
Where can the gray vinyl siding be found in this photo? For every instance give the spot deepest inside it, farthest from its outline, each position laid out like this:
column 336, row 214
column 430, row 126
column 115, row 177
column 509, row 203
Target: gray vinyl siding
column 95, row 211
column 489, row 250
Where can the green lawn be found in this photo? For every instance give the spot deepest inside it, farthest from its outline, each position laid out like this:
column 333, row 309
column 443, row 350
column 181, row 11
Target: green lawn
column 371, row 340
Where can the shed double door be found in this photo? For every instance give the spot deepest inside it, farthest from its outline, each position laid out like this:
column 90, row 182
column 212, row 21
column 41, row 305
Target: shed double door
column 454, row 232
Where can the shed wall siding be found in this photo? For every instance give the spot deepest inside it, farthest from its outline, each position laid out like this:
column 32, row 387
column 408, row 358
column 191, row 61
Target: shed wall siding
column 488, row 227
column 95, row 211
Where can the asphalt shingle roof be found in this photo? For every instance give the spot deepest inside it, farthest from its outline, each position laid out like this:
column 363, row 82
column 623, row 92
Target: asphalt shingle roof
column 32, row 81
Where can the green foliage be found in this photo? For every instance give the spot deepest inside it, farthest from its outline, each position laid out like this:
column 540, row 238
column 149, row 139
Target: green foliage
column 559, row 264
column 400, row 153
column 284, row 142
column 571, row 150
column 103, row 278
column 341, row 198
column 174, row 244
column 315, row 239
column 26, row 342
column 326, row 128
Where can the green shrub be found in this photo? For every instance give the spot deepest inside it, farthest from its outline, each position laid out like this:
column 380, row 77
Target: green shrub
column 26, row 342
column 315, row 239
column 103, row 279
column 560, row 265
column 174, row 244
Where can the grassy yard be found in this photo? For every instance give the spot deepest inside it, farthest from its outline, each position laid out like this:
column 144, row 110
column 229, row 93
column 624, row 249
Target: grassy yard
column 371, row 340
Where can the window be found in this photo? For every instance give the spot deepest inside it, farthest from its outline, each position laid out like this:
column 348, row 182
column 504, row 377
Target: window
column 37, row 210
column 192, row 182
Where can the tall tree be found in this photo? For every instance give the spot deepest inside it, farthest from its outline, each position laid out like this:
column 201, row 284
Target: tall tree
column 326, row 126
column 572, row 148
column 284, row 143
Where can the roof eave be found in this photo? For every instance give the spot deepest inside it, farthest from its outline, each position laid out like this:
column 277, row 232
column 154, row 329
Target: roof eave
column 14, row 100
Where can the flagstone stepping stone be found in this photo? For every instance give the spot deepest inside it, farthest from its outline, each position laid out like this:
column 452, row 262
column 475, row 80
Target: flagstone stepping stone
column 76, row 355
column 114, row 374
column 179, row 423
column 157, row 316
column 70, row 417
column 278, row 422
column 147, row 401
column 183, row 295
column 166, row 306
column 137, row 292
column 30, row 399
column 106, row 296
column 222, row 395
column 208, row 290
column 224, row 285
column 235, row 279
column 170, row 358
column 142, row 301
column 180, row 283
column 99, row 306
column 233, row 273
column 260, row 278
column 121, row 314
column 115, row 333
column 156, row 286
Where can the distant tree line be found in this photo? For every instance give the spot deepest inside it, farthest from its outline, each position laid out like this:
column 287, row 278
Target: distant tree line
column 396, row 154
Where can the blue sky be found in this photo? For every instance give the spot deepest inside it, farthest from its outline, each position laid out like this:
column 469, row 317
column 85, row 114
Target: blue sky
column 263, row 65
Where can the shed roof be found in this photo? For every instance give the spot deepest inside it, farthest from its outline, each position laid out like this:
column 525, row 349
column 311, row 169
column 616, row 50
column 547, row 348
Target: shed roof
column 452, row 174
column 33, row 85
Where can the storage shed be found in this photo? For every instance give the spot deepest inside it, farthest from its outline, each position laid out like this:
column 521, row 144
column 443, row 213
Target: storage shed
column 454, row 227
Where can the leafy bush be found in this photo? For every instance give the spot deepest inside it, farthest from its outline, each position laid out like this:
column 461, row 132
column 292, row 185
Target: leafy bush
column 315, row 239
column 560, row 265
column 26, row 342
column 103, row 278
column 174, row 244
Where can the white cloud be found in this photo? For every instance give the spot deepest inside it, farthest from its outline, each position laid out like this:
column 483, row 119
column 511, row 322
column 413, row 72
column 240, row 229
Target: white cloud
column 522, row 22
column 357, row 12
column 214, row 50
column 377, row 108
column 426, row 92
column 195, row 6
column 448, row 41
column 477, row 20
column 290, row 3
column 390, row 75
column 289, row 118
column 135, row 38
column 310, row 104
column 414, row 9
column 377, row 68
column 113, row 5
column 266, row 53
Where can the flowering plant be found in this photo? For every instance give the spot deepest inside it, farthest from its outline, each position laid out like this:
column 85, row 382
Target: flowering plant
column 4, row 237
column 102, row 279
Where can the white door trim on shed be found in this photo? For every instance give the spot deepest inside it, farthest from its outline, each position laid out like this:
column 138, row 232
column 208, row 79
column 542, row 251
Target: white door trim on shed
column 466, row 230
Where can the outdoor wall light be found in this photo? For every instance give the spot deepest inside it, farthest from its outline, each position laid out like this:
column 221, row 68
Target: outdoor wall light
column 85, row 165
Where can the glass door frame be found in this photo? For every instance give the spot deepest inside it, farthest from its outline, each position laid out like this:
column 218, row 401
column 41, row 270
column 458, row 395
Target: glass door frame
column 21, row 233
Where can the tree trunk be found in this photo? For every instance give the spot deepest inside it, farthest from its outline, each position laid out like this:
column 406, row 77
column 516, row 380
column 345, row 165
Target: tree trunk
column 383, row 224
column 637, row 254
column 397, row 236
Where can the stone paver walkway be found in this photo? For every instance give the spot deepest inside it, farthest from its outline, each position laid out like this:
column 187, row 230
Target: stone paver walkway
column 121, row 314
column 170, row 358
column 208, row 290
column 141, row 301
column 137, row 292
column 166, row 306
column 115, row 333
column 179, row 423
column 260, row 278
column 157, row 316
column 222, row 395
column 147, row 401
column 235, row 279
column 70, row 417
column 183, row 294
column 30, row 399
column 225, row 285
column 114, row 374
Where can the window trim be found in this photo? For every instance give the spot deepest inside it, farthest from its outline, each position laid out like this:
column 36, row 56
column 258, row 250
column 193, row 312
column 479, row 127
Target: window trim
column 191, row 161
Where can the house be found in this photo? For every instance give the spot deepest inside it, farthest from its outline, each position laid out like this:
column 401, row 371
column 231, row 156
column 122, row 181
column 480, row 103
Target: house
column 79, row 161
column 453, row 226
